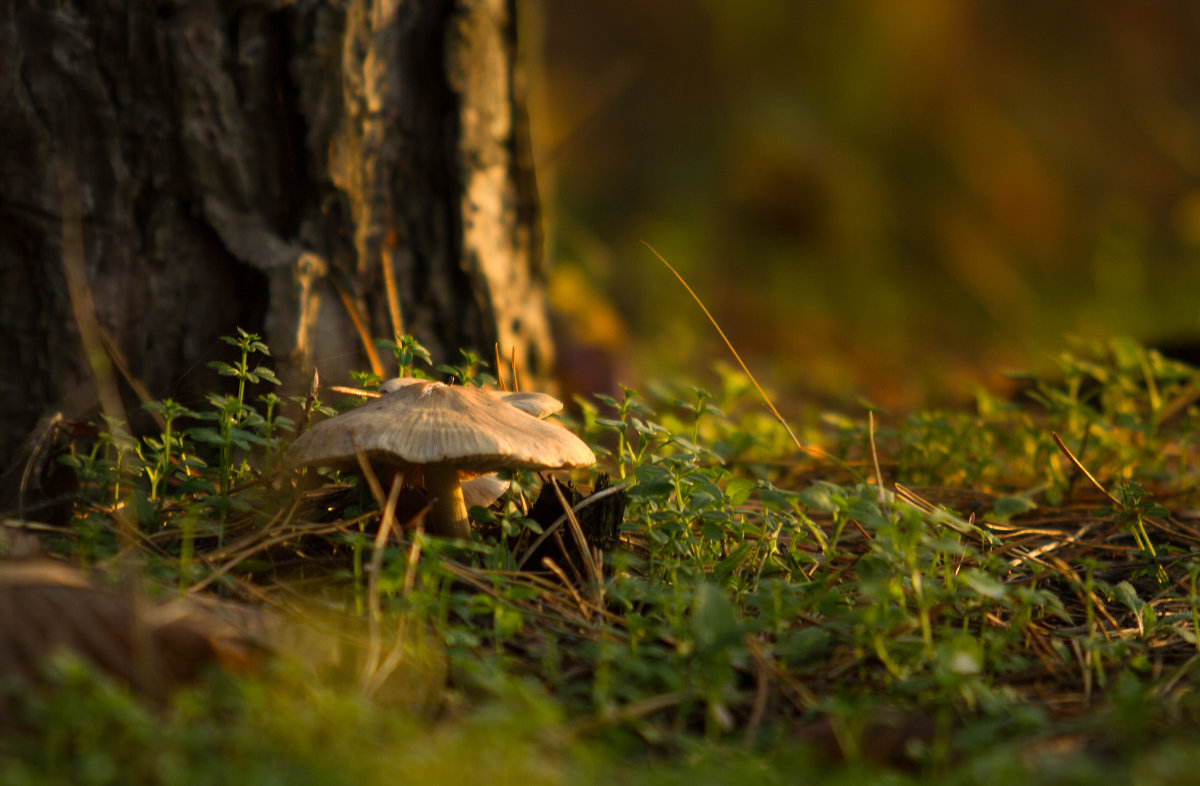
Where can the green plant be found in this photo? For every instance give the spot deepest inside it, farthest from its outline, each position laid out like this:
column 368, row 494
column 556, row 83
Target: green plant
column 987, row 576
column 237, row 423
column 408, row 353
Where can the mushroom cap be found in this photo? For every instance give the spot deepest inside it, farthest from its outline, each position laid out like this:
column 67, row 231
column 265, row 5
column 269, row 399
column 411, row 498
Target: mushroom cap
column 483, row 490
column 423, row 422
column 394, row 384
column 539, row 405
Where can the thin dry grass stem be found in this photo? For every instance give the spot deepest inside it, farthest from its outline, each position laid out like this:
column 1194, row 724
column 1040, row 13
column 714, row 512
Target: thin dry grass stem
column 414, row 552
column 559, row 597
column 368, row 473
column 1019, row 530
column 524, row 578
column 1052, row 545
column 1175, row 527
column 354, row 311
column 1051, row 658
column 1086, row 595
column 911, row 497
column 221, row 572
column 1168, row 685
column 880, row 492
column 281, row 530
column 548, row 532
column 130, row 537
column 811, row 450
column 118, row 360
column 79, row 292
column 632, row 711
column 562, row 549
column 38, row 448
column 512, row 364
column 762, row 689
column 1102, row 608
column 386, row 522
column 373, row 680
column 955, row 521
column 1071, row 457
column 797, row 693
column 1084, row 659
column 577, row 534
column 482, row 581
column 351, row 391
column 261, row 542
column 470, row 576
column 256, row 536
column 1186, row 398
column 584, row 609
column 499, row 368
column 598, row 558
column 861, row 529
column 387, row 260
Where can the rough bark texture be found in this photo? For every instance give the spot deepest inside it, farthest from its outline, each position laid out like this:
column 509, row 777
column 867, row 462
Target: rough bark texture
column 255, row 163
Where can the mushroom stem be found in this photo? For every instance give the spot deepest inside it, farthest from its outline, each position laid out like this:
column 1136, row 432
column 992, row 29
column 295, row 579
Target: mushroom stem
column 449, row 514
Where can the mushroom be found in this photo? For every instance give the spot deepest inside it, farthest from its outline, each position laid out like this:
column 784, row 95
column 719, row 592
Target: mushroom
column 446, row 432
column 394, row 384
column 482, row 491
column 539, row 405
column 486, row 489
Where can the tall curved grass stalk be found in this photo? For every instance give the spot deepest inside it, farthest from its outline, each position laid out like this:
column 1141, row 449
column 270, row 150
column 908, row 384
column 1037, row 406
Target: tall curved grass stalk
column 811, row 450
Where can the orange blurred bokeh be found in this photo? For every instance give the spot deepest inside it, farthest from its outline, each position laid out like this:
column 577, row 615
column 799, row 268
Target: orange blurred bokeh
column 893, row 201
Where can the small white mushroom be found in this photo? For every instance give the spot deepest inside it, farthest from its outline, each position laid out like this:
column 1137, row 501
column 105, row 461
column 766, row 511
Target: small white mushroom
column 540, row 405
column 394, row 384
column 448, row 432
column 486, row 489
column 483, row 490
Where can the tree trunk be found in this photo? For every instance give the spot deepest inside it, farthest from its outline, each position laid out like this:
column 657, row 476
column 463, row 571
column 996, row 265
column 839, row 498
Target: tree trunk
column 256, row 163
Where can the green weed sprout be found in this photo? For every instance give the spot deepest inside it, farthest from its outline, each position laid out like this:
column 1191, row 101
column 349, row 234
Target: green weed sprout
column 410, row 355
column 237, row 423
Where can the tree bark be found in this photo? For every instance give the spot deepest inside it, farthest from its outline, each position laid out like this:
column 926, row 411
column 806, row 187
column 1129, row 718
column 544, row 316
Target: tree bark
column 263, row 164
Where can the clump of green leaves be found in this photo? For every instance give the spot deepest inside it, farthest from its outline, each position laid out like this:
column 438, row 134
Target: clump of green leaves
column 190, row 471
column 1007, row 572
column 410, row 355
column 238, row 426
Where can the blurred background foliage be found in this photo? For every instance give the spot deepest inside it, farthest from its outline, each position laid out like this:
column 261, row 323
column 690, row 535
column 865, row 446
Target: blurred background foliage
column 881, row 200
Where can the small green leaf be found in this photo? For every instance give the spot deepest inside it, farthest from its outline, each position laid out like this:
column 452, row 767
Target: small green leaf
column 208, row 436
column 1007, row 507
column 778, row 499
column 714, row 619
column 738, row 490
column 803, row 645
column 734, row 561
column 1127, row 596
column 823, row 496
column 224, row 369
column 961, row 655
column 984, row 584
column 143, row 508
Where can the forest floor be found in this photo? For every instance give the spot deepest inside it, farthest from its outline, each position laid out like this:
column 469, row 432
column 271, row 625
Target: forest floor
column 1001, row 595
